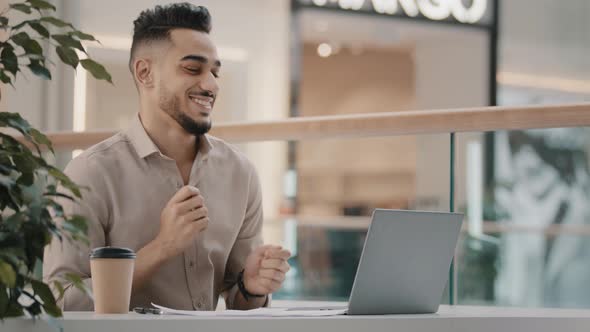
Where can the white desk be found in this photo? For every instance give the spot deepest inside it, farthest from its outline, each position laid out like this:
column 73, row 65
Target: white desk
column 455, row 319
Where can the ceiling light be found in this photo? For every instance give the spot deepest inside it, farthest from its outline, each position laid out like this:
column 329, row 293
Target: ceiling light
column 324, row 50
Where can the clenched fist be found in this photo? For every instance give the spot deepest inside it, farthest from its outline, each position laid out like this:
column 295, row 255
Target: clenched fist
column 181, row 220
column 265, row 269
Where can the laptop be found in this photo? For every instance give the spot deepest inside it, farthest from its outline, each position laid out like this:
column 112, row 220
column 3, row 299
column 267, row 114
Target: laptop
column 405, row 263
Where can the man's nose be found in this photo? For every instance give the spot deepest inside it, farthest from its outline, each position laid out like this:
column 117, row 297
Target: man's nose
column 209, row 83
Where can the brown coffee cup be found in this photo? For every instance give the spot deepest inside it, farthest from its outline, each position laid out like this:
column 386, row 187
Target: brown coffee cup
column 111, row 270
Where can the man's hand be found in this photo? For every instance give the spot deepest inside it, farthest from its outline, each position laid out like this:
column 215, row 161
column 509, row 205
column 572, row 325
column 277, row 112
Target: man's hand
column 265, row 269
column 182, row 219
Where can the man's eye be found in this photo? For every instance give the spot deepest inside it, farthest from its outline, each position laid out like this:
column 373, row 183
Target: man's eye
column 193, row 70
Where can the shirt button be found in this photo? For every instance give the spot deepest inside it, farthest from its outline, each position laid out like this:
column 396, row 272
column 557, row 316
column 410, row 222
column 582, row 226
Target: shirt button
column 191, row 264
column 197, row 304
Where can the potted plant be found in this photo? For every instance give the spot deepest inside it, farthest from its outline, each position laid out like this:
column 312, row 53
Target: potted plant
column 31, row 188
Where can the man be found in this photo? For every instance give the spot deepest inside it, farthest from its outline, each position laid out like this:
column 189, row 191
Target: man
column 189, row 204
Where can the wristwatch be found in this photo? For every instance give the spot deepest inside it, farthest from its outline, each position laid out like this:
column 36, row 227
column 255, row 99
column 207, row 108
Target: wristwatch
column 242, row 288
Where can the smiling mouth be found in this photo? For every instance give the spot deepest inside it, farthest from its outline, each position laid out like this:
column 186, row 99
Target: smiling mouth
column 205, row 102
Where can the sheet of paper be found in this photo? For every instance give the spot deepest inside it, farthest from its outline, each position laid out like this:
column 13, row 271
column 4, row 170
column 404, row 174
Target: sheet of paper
column 260, row 312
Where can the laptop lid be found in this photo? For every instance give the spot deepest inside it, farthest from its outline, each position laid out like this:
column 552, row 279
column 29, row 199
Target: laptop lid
column 405, row 262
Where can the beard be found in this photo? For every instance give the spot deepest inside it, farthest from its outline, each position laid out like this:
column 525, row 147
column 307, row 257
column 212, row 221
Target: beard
column 170, row 104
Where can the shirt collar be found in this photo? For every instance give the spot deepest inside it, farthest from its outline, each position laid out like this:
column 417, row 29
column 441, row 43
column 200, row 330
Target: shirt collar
column 144, row 145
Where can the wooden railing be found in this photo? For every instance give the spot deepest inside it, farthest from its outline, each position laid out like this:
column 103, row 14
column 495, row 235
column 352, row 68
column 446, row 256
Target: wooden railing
column 389, row 124
column 377, row 124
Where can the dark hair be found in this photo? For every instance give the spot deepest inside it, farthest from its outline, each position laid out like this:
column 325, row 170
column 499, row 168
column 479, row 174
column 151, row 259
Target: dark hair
column 156, row 24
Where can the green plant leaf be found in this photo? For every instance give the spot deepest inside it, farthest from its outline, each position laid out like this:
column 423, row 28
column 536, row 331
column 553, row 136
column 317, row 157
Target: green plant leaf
column 52, row 310
column 21, row 7
column 26, row 179
column 7, row 274
column 20, row 38
column 38, row 69
column 40, row 57
column 50, row 189
column 3, row 22
column 11, row 200
column 14, row 310
column 77, row 223
column 5, row 78
column 22, row 24
column 64, row 180
column 41, row 139
column 5, row 170
column 14, row 222
column 6, row 181
column 10, row 254
column 3, row 301
column 68, row 41
column 68, row 197
column 33, row 47
column 55, row 21
column 96, row 69
column 57, row 209
column 44, row 292
column 14, row 120
column 26, row 167
column 82, row 36
column 79, row 283
column 76, row 229
column 41, row 4
column 60, row 289
column 14, row 146
column 68, row 56
column 40, row 29
column 9, row 60
column 30, row 45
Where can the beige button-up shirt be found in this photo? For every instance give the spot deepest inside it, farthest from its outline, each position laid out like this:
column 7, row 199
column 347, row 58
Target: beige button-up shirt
column 130, row 182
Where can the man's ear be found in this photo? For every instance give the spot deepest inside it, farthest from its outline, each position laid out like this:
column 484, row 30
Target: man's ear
column 143, row 72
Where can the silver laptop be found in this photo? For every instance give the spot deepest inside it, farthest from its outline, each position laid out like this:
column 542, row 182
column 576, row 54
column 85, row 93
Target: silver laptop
column 405, row 262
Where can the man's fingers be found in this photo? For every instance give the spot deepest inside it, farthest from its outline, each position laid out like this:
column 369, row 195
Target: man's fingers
column 189, row 204
column 272, row 274
column 278, row 253
column 184, row 193
column 197, row 214
column 271, row 263
column 270, row 284
column 261, row 251
column 275, row 263
column 200, row 225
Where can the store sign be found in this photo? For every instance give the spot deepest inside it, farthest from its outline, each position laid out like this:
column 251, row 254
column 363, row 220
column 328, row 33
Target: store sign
column 436, row 10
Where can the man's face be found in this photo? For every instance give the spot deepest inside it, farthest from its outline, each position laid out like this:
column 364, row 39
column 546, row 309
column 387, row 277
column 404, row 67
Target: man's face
column 187, row 82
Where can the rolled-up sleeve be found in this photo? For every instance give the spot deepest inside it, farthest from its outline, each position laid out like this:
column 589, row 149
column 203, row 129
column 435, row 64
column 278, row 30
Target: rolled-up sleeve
column 249, row 238
column 67, row 257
